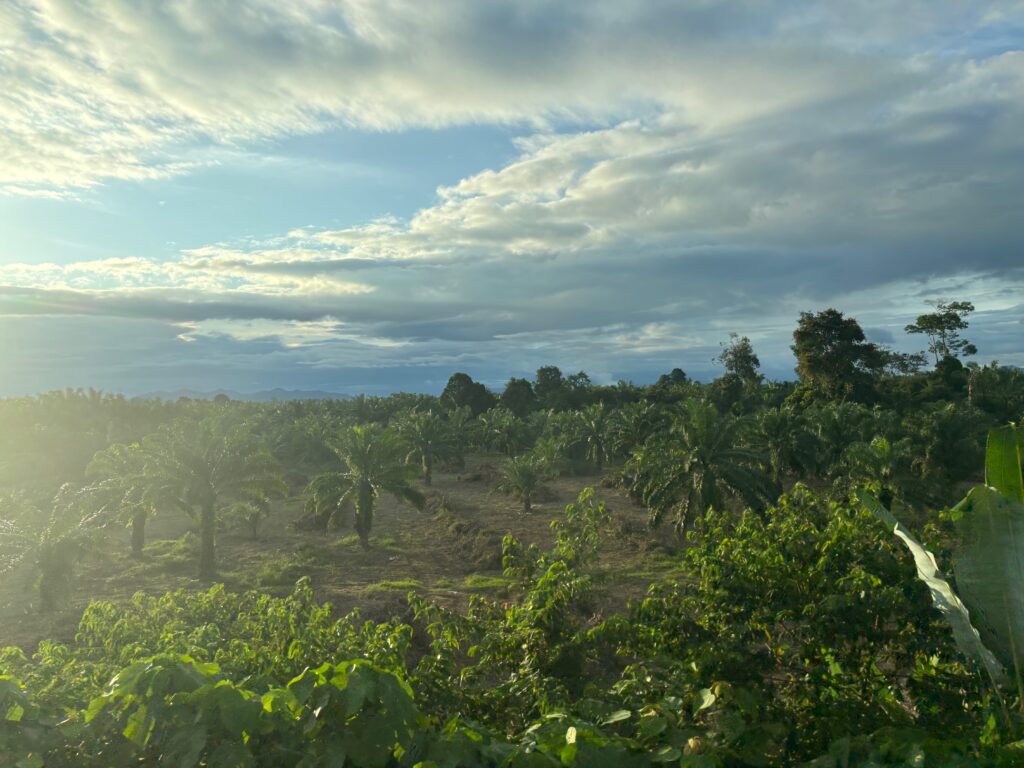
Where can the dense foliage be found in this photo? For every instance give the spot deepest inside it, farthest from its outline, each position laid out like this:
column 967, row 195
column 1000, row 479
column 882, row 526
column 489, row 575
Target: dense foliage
column 792, row 628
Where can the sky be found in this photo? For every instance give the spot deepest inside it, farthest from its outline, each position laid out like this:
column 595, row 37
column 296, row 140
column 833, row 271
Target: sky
column 368, row 195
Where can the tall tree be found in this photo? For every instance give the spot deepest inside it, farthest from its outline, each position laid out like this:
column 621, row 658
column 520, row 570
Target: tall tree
column 739, row 359
column 462, row 392
column 834, row 358
column 203, row 467
column 374, row 460
column 550, row 387
column 578, row 388
column 943, row 327
column 518, row 397
column 671, row 379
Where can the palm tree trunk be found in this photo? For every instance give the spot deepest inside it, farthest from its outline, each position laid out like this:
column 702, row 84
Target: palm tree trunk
column 138, row 532
column 527, row 504
column 207, row 543
column 428, row 469
column 364, row 513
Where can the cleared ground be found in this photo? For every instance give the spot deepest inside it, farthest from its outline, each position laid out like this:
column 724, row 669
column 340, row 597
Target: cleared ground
column 447, row 552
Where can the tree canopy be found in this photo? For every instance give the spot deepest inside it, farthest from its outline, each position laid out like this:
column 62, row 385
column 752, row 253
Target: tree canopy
column 833, row 357
column 942, row 329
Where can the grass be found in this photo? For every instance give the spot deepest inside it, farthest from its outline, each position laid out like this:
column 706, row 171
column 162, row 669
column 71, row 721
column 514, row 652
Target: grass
column 483, row 582
column 386, row 542
column 654, row 566
column 283, row 571
column 398, row 585
column 171, row 555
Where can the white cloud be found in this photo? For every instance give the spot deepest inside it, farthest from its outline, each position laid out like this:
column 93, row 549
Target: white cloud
column 740, row 164
column 118, row 89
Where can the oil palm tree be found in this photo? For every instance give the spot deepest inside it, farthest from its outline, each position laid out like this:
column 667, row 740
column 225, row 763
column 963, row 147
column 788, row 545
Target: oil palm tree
column 203, row 467
column 701, row 463
column 550, row 454
column 502, row 430
column 633, row 424
column 836, row 426
column 122, row 485
column 786, row 442
column 374, row 460
column 883, row 465
column 429, row 439
column 589, row 430
column 522, row 476
column 52, row 540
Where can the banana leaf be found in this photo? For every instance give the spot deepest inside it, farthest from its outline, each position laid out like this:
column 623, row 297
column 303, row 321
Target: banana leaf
column 990, row 568
column 943, row 597
column 1003, row 461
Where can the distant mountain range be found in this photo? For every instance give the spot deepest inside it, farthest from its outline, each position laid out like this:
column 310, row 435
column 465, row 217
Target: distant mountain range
column 268, row 395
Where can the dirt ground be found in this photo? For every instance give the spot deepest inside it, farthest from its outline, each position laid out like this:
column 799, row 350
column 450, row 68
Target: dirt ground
column 447, row 552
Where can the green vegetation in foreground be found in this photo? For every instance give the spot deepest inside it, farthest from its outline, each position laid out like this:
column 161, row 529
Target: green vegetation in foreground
column 788, row 626
column 756, row 657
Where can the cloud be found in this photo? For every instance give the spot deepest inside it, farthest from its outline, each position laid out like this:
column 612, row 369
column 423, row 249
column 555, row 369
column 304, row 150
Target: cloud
column 682, row 172
column 140, row 91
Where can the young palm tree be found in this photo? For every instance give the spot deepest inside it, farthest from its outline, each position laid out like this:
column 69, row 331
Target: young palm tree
column 429, row 438
column 502, row 430
column 250, row 514
column 464, row 429
column 51, row 541
column 522, row 477
column 633, row 424
column 590, row 431
column 550, row 454
column 375, row 461
column 701, row 463
column 884, row 464
column 202, row 468
column 123, row 487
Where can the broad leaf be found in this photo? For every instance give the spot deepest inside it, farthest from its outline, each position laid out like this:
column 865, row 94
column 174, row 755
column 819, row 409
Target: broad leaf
column 943, row 597
column 990, row 568
column 1003, row 461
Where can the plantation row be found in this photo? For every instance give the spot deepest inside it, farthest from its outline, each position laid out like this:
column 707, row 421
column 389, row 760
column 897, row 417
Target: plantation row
column 802, row 619
column 228, row 464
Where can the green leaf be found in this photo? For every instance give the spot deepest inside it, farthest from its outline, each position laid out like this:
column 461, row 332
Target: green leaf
column 667, row 754
column 707, row 698
column 990, row 568
column 617, row 717
column 139, row 726
column 651, row 726
column 943, row 597
column 1003, row 462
